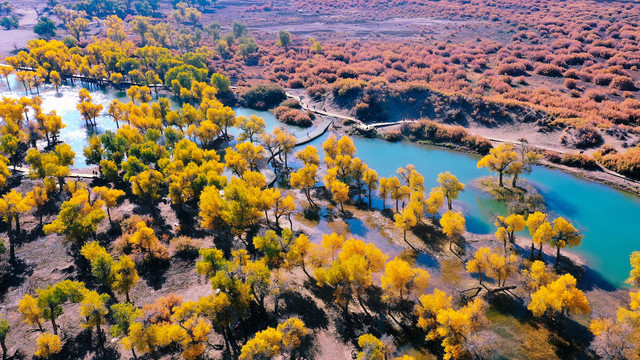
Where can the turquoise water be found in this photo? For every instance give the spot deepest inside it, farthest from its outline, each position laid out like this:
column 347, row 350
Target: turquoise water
column 270, row 121
column 607, row 216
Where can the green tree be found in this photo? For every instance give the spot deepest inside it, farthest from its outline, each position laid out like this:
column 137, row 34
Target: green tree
column 45, row 28
column 9, row 22
column 51, row 299
column 284, row 39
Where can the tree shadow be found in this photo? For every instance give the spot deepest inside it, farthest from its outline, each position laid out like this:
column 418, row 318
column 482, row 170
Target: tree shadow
column 570, row 339
column 154, row 272
column 587, row 278
column 13, row 275
column 311, row 213
column 82, row 346
column 187, row 218
column 305, row 308
column 431, row 236
column 324, row 293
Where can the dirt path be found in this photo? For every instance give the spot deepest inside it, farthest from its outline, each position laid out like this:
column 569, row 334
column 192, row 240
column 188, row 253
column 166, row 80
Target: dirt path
column 26, row 170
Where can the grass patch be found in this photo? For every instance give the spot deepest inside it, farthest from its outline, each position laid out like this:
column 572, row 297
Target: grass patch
column 521, row 199
column 451, row 270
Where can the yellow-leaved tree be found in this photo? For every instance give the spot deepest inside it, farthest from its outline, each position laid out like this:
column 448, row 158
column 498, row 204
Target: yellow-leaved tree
column 507, row 227
column 437, row 316
column 372, row 348
column 405, row 220
column 48, row 344
column 453, row 226
column 78, row 218
column 270, row 343
column 565, row 234
column 351, row 274
column 400, row 281
column 559, row 297
column 109, row 197
column 498, row 160
column 12, row 205
column 495, row 266
column 450, row 186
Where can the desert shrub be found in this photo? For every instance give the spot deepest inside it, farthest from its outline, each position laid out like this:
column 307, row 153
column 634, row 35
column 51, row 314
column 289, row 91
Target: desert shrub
column 582, row 161
column 603, row 79
column 549, row 70
column 296, row 83
column 316, row 91
column 264, row 96
column 185, row 247
column 626, row 163
column 445, row 134
column 347, row 87
column 478, row 144
column 291, row 116
column 623, row 83
column 9, row 22
column 393, row 136
column 571, row 74
column 570, row 83
column 291, row 103
column 595, row 95
column 371, row 111
column 512, row 69
column 603, row 151
column 584, row 137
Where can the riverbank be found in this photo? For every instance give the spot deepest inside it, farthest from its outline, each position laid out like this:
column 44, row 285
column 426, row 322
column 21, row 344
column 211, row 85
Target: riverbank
column 601, row 176
column 509, row 134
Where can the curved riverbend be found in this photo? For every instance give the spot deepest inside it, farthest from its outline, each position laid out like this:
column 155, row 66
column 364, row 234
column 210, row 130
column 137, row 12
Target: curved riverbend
column 606, row 215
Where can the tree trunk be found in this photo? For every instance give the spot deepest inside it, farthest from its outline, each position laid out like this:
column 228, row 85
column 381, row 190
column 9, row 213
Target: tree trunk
column 557, row 256
column 4, row 350
column 540, row 252
column 61, row 183
column 369, row 198
column 532, row 247
column 99, row 334
column 53, row 323
column 500, row 180
column 362, row 305
column 513, row 182
column 12, row 249
column 304, row 269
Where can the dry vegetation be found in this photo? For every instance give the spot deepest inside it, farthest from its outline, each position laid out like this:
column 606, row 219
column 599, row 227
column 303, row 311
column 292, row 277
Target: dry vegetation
column 196, row 257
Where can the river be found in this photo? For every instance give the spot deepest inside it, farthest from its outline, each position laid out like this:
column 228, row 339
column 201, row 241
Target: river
column 606, row 216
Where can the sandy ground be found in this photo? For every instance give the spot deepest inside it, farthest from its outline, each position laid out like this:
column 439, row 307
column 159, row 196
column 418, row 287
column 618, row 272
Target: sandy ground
column 396, row 27
column 11, row 40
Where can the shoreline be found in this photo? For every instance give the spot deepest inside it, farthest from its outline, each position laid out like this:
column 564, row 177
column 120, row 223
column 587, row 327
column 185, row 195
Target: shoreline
column 604, row 176
column 617, row 181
